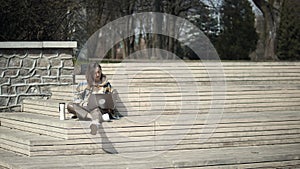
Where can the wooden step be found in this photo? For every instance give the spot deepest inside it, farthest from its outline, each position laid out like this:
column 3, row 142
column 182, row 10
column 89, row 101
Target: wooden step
column 174, row 107
column 171, row 99
column 48, row 107
column 257, row 106
column 267, row 134
column 42, row 124
column 70, row 129
column 20, row 141
column 32, row 144
column 266, row 156
column 68, row 90
column 279, row 133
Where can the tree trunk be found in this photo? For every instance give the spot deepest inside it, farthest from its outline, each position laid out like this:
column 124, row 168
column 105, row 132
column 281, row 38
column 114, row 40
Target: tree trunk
column 157, row 27
column 271, row 19
column 124, row 49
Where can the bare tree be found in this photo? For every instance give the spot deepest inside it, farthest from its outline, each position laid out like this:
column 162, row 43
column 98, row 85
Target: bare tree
column 271, row 19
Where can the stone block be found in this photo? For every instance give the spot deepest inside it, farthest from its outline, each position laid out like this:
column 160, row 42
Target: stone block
column 65, row 55
column 34, row 80
column 34, row 89
column 46, row 89
column 2, row 73
column 66, row 79
column 9, row 53
column 5, row 90
column 53, row 72
column 68, row 63
column 12, row 100
column 3, row 101
column 3, row 62
column 55, row 62
column 43, row 62
column 50, row 79
column 23, row 72
column 4, row 81
column 42, row 72
column 21, row 89
column 27, row 62
column 17, row 81
column 35, row 54
column 65, row 51
column 66, row 72
column 14, row 62
column 50, row 53
column 11, row 73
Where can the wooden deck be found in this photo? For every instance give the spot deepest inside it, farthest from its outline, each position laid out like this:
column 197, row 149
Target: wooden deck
column 175, row 116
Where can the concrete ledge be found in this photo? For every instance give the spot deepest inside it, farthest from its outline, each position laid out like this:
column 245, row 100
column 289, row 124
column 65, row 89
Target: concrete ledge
column 37, row 44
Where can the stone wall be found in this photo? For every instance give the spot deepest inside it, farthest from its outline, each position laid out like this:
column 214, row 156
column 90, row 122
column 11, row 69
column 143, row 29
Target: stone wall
column 29, row 69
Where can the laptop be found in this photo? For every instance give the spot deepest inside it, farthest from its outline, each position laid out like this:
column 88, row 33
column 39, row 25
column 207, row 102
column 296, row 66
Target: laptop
column 104, row 101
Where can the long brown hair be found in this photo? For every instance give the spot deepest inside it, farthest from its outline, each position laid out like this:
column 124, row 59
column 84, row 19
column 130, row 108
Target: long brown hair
column 90, row 73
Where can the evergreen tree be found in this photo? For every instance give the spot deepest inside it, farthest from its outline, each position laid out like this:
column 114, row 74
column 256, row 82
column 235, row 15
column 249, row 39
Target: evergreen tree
column 238, row 36
column 289, row 31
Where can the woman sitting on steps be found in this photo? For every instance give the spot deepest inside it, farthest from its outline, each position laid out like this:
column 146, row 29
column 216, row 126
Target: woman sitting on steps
column 95, row 80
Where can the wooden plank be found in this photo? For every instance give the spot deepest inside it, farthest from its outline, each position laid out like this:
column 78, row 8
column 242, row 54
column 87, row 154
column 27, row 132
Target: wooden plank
column 157, row 130
column 176, row 135
column 137, row 147
column 196, row 80
column 190, row 71
column 13, row 125
column 67, row 152
column 191, row 109
column 177, row 100
column 134, row 96
column 39, row 119
column 192, row 158
column 184, row 92
column 197, row 74
column 160, row 148
column 195, row 143
column 42, row 112
column 151, row 128
column 189, row 133
column 208, row 88
column 126, row 121
column 138, row 67
column 200, row 68
column 116, row 132
column 17, row 146
column 273, row 164
column 221, row 83
column 149, row 101
column 186, row 100
column 22, row 137
column 167, row 125
column 217, row 135
column 240, row 155
column 13, row 148
column 198, row 62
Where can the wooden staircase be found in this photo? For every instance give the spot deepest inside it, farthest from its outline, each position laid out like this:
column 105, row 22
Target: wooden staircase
column 261, row 107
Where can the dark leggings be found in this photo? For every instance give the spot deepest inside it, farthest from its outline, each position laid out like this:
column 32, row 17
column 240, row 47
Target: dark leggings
column 82, row 112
